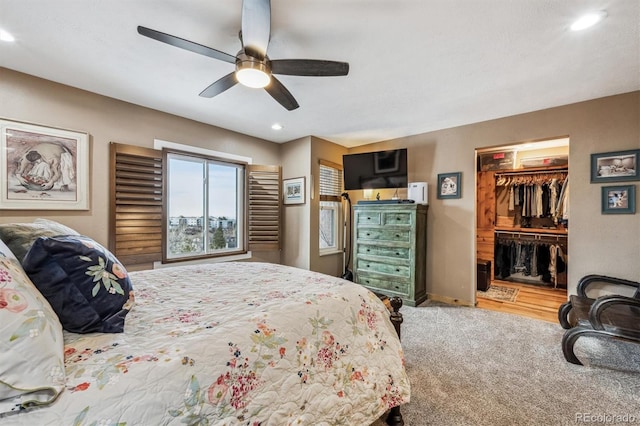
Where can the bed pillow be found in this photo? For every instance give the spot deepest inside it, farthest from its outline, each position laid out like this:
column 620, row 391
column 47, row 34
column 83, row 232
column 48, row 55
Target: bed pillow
column 31, row 345
column 85, row 284
column 20, row 236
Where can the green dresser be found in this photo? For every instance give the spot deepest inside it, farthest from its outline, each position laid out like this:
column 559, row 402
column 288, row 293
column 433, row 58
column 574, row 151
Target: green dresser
column 390, row 249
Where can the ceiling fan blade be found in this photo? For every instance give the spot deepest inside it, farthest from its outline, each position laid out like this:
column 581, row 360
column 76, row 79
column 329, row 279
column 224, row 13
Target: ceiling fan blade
column 186, row 44
column 281, row 94
column 226, row 82
column 309, row 67
column 256, row 27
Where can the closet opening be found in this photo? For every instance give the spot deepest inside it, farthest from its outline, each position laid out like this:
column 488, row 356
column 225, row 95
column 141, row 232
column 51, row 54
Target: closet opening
column 522, row 227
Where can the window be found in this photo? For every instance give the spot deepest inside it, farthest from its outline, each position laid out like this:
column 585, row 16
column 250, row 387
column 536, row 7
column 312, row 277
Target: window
column 329, row 214
column 330, row 207
column 205, row 207
column 241, row 201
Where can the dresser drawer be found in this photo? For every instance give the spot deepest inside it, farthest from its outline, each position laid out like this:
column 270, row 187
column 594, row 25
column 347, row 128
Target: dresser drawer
column 398, row 218
column 382, row 234
column 384, row 268
column 397, row 286
column 368, row 218
column 389, row 249
column 392, row 252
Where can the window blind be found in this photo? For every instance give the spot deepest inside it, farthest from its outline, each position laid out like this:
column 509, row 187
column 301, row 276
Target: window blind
column 330, row 181
column 264, row 196
column 135, row 231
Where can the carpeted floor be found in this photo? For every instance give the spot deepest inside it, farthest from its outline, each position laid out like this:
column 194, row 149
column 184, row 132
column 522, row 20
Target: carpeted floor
column 470, row 366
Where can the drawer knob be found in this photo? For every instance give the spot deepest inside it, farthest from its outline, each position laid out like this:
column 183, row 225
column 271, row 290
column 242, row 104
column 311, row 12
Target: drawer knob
column 397, row 253
column 368, row 250
column 367, row 281
column 368, row 234
column 397, row 218
column 397, row 270
column 397, row 235
column 368, row 218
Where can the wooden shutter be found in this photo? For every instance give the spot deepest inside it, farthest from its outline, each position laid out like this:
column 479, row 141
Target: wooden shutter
column 264, row 207
column 330, row 181
column 135, row 229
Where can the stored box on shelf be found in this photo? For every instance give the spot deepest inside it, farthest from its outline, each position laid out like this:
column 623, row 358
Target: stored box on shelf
column 504, row 160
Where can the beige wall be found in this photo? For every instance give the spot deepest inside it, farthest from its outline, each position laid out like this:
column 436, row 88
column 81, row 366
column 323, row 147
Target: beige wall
column 27, row 98
column 330, row 264
column 608, row 244
column 296, row 162
column 605, row 244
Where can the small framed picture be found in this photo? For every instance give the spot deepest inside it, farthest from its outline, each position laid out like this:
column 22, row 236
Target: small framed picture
column 617, row 166
column 293, row 191
column 619, row 199
column 449, row 185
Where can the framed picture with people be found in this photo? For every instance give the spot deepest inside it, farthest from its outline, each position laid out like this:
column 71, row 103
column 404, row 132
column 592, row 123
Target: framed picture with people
column 619, row 199
column 43, row 168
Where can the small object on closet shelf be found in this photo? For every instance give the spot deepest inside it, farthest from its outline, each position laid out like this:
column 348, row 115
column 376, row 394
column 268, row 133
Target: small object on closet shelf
column 504, row 160
column 558, row 160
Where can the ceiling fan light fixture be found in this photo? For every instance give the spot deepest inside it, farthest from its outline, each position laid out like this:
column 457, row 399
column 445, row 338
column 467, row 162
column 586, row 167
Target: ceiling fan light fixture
column 252, row 72
column 588, row 20
column 6, row 36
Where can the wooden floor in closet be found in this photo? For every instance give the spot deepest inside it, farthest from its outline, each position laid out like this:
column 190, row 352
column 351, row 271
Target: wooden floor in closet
column 532, row 301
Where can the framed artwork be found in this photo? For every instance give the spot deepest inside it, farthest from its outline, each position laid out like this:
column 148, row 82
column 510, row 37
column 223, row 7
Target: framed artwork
column 449, row 185
column 619, row 199
column 43, row 168
column 615, row 166
column 293, row 191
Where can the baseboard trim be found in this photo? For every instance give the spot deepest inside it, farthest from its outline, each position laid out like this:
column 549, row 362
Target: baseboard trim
column 449, row 300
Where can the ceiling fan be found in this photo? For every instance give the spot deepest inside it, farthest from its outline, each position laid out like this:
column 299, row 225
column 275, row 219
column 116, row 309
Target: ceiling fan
column 253, row 66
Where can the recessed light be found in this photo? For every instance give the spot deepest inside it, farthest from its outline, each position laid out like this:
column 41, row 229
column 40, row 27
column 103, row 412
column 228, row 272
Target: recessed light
column 276, row 126
column 5, row 36
column 588, row 20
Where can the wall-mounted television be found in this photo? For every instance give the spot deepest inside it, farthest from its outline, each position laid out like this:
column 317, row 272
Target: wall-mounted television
column 375, row 170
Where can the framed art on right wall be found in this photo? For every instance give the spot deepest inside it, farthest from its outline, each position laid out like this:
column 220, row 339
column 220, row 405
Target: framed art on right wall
column 449, row 185
column 619, row 199
column 617, row 166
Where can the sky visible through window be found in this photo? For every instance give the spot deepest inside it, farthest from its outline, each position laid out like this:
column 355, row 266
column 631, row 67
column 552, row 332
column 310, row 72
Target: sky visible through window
column 186, row 181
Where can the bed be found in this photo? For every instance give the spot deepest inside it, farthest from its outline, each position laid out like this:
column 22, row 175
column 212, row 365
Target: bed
column 237, row 343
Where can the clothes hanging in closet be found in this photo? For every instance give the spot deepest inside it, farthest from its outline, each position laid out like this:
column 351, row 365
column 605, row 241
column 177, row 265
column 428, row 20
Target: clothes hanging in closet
column 530, row 258
column 538, row 195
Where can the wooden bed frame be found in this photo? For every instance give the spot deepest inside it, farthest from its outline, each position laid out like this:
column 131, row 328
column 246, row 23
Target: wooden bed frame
column 394, row 418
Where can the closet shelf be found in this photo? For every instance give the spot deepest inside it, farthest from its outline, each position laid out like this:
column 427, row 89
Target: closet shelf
column 532, row 171
column 519, row 230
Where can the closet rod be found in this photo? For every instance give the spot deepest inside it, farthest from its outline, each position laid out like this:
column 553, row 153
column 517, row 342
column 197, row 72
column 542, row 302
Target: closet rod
column 532, row 234
column 524, row 172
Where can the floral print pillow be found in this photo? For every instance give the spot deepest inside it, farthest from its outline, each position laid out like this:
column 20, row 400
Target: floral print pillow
column 31, row 346
column 85, row 284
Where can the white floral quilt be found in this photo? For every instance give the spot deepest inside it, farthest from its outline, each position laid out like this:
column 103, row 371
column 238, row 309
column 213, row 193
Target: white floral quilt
column 234, row 344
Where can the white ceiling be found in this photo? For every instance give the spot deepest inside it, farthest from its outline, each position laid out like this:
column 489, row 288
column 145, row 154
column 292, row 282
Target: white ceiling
column 415, row 65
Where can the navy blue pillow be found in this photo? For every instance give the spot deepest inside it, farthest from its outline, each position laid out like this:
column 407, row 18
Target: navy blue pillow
column 84, row 283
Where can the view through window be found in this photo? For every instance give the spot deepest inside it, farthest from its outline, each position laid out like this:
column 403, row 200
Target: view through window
column 205, row 206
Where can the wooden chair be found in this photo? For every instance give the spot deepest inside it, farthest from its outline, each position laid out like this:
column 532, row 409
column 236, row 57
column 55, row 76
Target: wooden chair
column 613, row 315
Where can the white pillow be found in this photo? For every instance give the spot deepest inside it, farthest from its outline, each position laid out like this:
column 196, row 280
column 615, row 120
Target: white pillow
column 31, row 345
